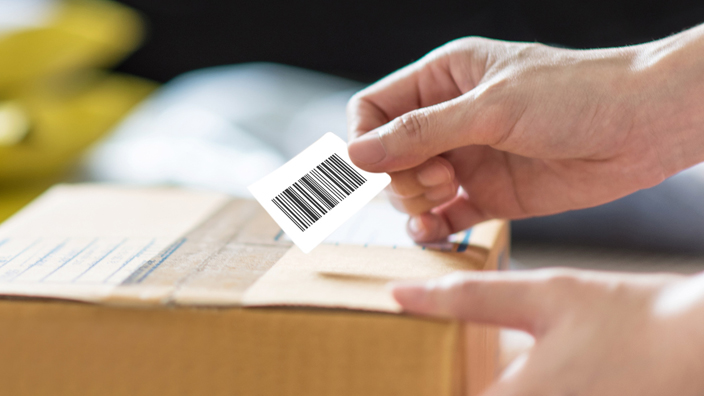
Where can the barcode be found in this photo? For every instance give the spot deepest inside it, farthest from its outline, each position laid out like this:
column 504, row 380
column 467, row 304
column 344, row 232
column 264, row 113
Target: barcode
column 312, row 196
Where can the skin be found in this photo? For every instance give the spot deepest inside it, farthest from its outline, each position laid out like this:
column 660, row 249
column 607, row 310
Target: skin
column 600, row 334
column 528, row 130
column 482, row 129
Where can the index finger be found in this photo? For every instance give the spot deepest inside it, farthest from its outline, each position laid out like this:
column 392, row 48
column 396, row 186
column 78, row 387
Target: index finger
column 392, row 96
column 521, row 300
column 424, row 83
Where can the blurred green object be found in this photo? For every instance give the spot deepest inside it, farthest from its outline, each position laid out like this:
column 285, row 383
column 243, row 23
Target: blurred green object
column 54, row 98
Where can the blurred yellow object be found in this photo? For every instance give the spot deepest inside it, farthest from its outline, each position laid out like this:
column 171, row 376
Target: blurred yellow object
column 65, row 118
column 14, row 123
column 53, row 101
column 81, row 34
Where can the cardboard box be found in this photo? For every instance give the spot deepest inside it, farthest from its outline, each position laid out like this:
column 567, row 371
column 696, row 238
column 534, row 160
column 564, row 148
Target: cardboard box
column 126, row 291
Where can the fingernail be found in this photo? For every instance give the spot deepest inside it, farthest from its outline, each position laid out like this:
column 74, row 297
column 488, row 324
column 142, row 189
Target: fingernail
column 415, row 225
column 439, row 193
column 434, row 175
column 367, row 149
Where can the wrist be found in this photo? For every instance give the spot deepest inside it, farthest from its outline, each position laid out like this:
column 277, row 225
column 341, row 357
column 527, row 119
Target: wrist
column 670, row 98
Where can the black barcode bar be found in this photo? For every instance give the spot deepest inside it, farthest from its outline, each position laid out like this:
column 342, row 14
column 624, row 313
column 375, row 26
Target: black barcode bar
column 312, row 196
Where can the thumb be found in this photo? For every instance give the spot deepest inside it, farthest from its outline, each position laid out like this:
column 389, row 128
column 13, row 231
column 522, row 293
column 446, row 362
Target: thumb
column 414, row 137
column 518, row 300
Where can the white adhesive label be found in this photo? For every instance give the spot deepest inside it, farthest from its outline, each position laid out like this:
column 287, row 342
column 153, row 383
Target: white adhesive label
column 314, row 193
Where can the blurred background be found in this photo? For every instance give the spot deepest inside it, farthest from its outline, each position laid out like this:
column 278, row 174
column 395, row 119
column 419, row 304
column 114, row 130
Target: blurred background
column 366, row 39
column 215, row 94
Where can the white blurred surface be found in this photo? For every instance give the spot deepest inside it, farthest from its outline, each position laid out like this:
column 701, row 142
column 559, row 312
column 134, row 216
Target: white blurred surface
column 23, row 14
column 222, row 128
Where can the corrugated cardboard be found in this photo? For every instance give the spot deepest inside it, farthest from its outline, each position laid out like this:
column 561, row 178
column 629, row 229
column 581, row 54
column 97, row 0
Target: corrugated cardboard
column 176, row 325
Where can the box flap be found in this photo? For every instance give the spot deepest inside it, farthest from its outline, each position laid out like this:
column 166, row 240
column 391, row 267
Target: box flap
column 157, row 246
column 341, row 276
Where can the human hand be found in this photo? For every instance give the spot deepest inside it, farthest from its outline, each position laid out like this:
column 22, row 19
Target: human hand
column 597, row 334
column 526, row 129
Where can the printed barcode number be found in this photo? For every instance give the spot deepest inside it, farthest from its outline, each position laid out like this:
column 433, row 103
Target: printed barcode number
column 312, row 196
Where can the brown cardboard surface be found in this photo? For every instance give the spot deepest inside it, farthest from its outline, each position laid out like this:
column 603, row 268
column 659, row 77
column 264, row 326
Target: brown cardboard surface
column 231, row 253
column 59, row 348
column 350, row 276
column 211, row 267
column 84, row 215
column 220, row 251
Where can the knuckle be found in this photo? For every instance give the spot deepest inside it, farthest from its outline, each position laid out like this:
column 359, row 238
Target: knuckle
column 437, row 160
column 415, row 208
column 354, row 102
column 563, row 281
column 441, row 194
column 481, row 48
column 455, row 290
column 411, row 206
column 457, row 281
column 402, row 190
column 412, row 126
column 469, row 286
column 469, row 41
column 448, row 48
